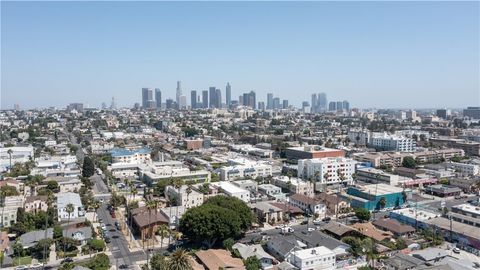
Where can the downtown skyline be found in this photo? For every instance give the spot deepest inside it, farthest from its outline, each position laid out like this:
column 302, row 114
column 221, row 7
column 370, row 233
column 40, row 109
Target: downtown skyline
column 409, row 56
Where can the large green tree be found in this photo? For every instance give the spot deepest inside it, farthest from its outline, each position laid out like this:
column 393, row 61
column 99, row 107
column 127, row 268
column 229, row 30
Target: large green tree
column 88, row 167
column 362, row 214
column 208, row 223
column 252, row 263
column 409, row 162
column 236, row 205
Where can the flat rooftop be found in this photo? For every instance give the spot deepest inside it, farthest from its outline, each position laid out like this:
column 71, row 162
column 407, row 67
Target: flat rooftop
column 380, row 189
column 413, row 213
column 468, row 208
column 313, row 149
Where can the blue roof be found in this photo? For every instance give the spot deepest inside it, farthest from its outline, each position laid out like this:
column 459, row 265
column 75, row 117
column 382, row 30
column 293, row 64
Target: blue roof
column 119, row 152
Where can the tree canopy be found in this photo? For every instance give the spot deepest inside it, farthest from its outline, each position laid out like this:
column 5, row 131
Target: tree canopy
column 409, row 162
column 362, row 214
column 219, row 218
column 88, row 167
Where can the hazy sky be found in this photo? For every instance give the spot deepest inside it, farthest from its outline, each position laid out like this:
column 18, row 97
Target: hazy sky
column 375, row 54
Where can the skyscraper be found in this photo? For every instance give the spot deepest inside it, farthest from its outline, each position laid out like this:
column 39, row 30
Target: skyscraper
column 322, row 101
column 213, row 95
column 147, row 96
column 183, row 102
column 218, row 98
column 346, row 105
column 245, row 99
column 269, row 101
column 285, row 103
column 205, row 99
column 276, row 103
column 252, row 100
column 158, row 98
column 113, row 106
column 193, row 99
column 261, row 106
column 228, row 94
column 339, row 105
column 332, row 106
column 179, row 91
column 314, row 103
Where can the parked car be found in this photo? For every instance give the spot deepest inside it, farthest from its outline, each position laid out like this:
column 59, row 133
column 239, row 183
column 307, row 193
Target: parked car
column 107, row 240
column 67, row 260
column 113, row 214
column 21, row 267
column 117, row 225
column 456, row 250
column 326, row 219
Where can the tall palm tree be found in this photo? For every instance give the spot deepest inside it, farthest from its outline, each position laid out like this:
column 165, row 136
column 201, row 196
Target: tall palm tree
column 179, row 260
column 151, row 206
column 69, row 208
column 178, row 183
column 189, row 191
column 342, row 178
column 10, row 152
column 95, row 205
column 163, row 232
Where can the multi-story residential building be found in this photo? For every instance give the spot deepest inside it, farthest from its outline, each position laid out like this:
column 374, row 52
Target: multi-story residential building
column 308, row 204
column 359, row 137
column 8, row 214
column 465, row 168
column 294, row 185
column 327, row 171
column 232, row 190
column 247, row 184
column 33, row 204
column 248, row 170
column 184, row 196
column 394, row 159
column 470, row 148
column 317, row 258
column 63, row 200
column 272, row 191
column 66, row 184
column 312, row 151
column 171, row 169
column 18, row 154
column 372, row 175
column 137, row 156
column 387, row 142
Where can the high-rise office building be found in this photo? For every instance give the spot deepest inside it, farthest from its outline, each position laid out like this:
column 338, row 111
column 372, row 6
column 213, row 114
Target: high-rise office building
column 158, row 98
column 113, row 105
column 245, row 99
column 147, row 95
column 443, row 113
column 339, row 105
column 170, row 104
column 212, row 95
column 178, row 92
column 218, row 98
column 252, row 100
column 228, row 94
column 285, row 104
column 261, row 106
column 276, row 103
column 472, row 112
column 183, row 102
column 269, row 101
column 193, row 99
column 322, row 101
column 346, row 105
column 104, row 105
column 204, row 99
column 240, row 100
column 314, row 103
column 332, row 106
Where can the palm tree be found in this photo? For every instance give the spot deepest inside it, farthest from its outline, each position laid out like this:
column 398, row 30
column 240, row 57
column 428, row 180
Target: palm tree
column 10, row 152
column 179, row 260
column 382, row 202
column 95, row 205
column 342, row 178
column 151, row 205
column 69, row 208
column 163, row 232
column 178, row 183
column 188, row 191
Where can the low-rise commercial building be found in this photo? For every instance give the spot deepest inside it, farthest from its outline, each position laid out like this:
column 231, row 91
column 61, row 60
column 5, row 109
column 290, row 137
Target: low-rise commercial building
column 318, row 258
column 371, row 197
column 232, row 190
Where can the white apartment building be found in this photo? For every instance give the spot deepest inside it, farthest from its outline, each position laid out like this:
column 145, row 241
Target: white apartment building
column 317, row 258
column 359, row 137
column 327, row 171
column 464, row 168
column 232, row 190
column 387, row 142
column 120, row 155
column 64, row 199
column 296, row 185
column 183, row 197
column 248, row 170
column 19, row 154
column 8, row 213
